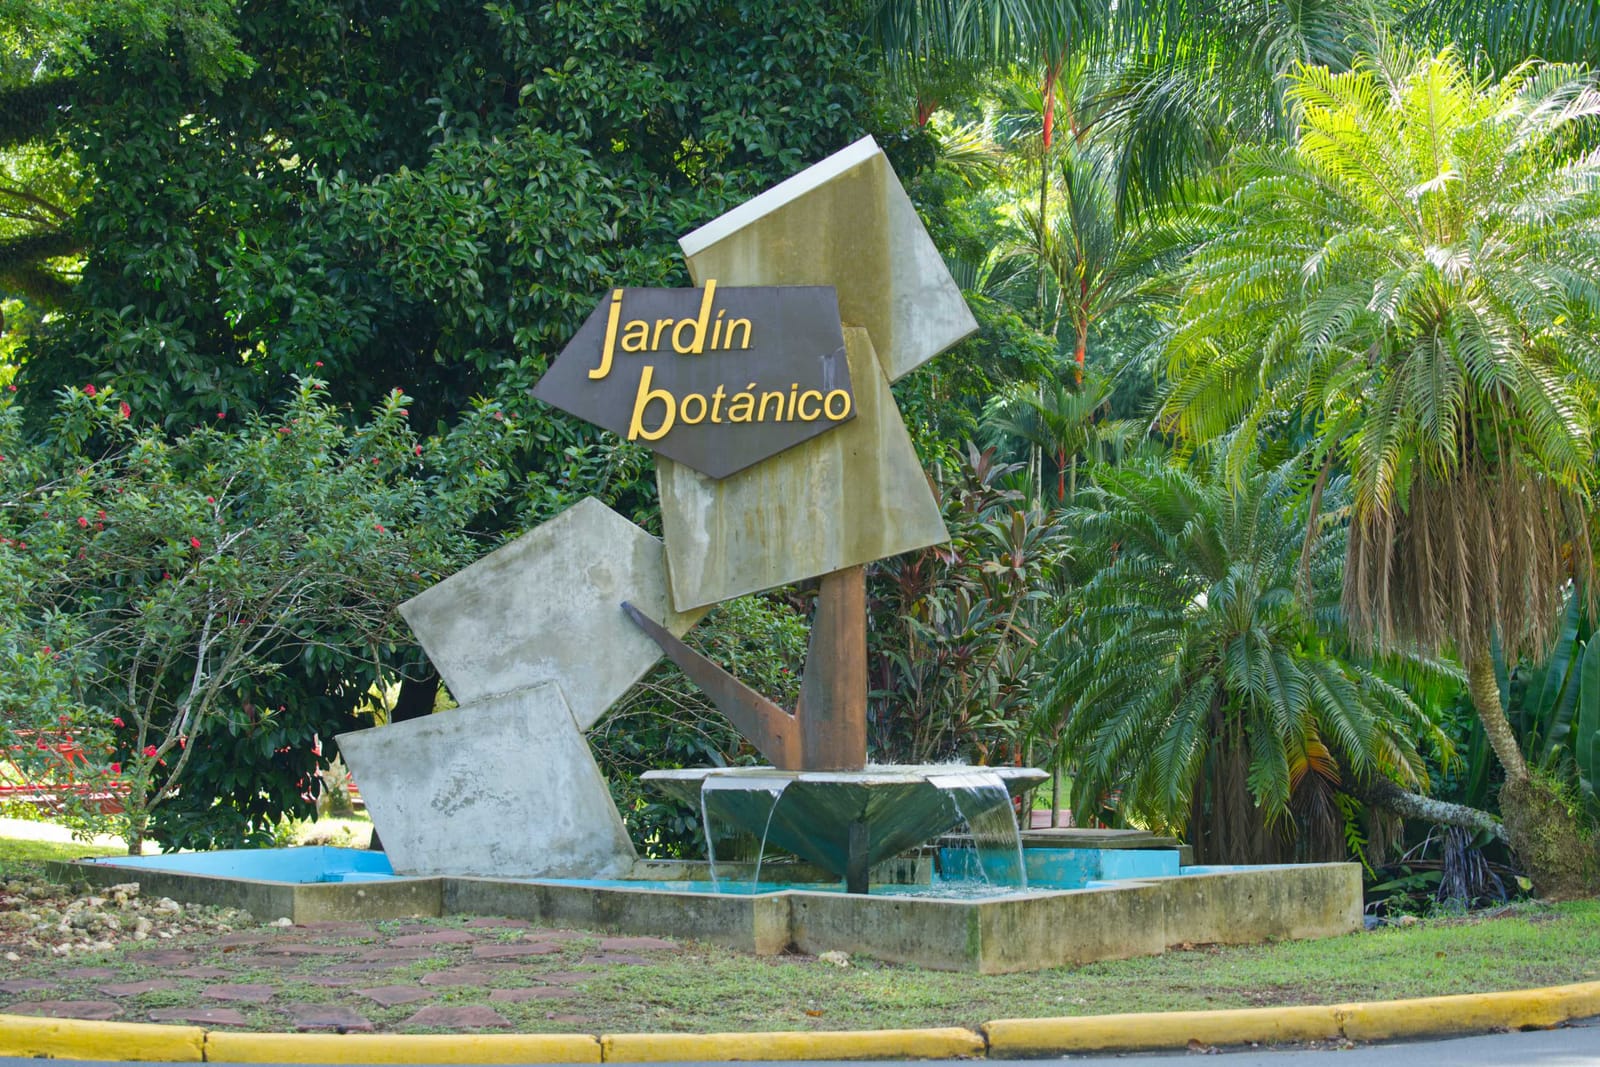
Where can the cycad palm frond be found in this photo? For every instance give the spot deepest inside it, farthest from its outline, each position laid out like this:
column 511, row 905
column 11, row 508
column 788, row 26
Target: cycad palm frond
column 1196, row 651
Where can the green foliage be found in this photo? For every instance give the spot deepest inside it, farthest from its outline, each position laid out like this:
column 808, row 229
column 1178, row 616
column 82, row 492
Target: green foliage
column 1199, row 689
column 170, row 598
column 1553, row 706
column 665, row 721
column 1413, row 280
column 424, row 197
column 952, row 652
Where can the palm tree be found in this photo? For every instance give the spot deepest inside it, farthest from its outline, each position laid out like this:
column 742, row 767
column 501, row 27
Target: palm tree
column 1067, row 424
column 1200, row 688
column 1413, row 279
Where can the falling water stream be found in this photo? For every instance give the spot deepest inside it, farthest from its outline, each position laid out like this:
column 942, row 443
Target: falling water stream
column 982, row 800
column 747, row 788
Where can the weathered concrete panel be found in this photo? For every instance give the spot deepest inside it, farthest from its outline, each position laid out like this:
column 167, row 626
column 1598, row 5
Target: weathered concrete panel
column 853, row 495
column 547, row 608
column 505, row 787
column 846, row 222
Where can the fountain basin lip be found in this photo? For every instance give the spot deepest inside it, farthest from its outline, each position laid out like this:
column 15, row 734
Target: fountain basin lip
column 872, row 774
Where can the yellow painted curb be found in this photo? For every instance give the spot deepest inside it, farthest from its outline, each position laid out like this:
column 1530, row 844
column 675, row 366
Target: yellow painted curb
column 28, row 1035
column 1470, row 1011
column 943, row 1043
column 224, row 1046
column 1174, row 1030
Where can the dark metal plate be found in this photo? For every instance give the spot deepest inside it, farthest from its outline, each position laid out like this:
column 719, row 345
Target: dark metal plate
column 718, row 378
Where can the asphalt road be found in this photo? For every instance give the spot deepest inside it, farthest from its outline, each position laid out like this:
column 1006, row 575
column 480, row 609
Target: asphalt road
column 1577, row 1045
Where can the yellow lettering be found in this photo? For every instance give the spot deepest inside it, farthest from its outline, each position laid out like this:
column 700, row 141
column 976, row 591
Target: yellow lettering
column 636, row 336
column 699, row 324
column 761, row 416
column 642, row 400
column 742, row 405
column 827, row 405
column 655, row 342
column 812, row 395
column 792, row 387
column 683, row 409
column 611, row 336
column 716, row 405
column 734, row 324
column 716, row 330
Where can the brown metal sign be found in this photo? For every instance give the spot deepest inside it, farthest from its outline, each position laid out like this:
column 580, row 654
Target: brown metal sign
column 717, row 378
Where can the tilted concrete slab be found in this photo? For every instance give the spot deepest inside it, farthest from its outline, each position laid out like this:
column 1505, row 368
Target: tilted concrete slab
column 845, row 222
column 506, row 787
column 547, row 608
column 853, row 495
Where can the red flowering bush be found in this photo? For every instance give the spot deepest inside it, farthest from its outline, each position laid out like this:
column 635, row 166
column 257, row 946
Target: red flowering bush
column 215, row 561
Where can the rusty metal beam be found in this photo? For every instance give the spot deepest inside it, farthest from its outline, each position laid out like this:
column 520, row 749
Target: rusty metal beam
column 773, row 731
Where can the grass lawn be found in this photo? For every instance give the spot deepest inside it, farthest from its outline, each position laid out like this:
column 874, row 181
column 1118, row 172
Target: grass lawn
column 703, row 988
column 19, row 856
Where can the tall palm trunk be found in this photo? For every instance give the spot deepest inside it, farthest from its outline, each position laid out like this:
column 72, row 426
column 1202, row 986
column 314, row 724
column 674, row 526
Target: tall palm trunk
column 1541, row 828
column 1484, row 688
column 1051, row 71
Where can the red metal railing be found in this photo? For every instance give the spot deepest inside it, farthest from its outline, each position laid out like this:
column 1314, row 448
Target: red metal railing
column 55, row 774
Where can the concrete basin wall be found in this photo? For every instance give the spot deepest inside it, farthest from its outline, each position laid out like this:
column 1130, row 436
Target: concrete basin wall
column 397, row 898
column 749, row 924
column 1028, row 932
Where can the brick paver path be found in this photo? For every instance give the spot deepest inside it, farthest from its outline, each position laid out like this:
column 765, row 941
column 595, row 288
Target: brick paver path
column 467, row 974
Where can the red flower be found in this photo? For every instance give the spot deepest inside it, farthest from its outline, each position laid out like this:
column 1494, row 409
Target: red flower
column 222, row 415
column 11, row 388
column 499, row 417
column 318, row 363
column 149, row 750
column 117, row 721
column 89, row 390
column 165, row 576
column 379, row 527
column 418, row 450
column 62, row 719
column 100, row 515
column 404, row 411
column 194, row 542
column 211, row 500
column 82, row 521
column 125, row 409
column 116, row 768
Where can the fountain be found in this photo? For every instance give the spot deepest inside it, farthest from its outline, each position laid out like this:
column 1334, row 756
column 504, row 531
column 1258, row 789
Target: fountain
column 780, row 458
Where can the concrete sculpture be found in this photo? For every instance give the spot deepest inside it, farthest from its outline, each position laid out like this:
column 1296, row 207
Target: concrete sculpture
column 811, row 299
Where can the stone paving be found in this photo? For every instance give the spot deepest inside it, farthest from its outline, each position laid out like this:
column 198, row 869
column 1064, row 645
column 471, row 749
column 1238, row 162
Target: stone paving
column 457, row 974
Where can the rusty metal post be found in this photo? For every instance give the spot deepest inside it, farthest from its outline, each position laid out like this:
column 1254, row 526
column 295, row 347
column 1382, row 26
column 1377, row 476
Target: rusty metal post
column 832, row 711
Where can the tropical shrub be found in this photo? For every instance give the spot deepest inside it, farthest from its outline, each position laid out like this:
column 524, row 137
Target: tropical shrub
column 1205, row 690
column 170, row 597
column 1411, row 282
